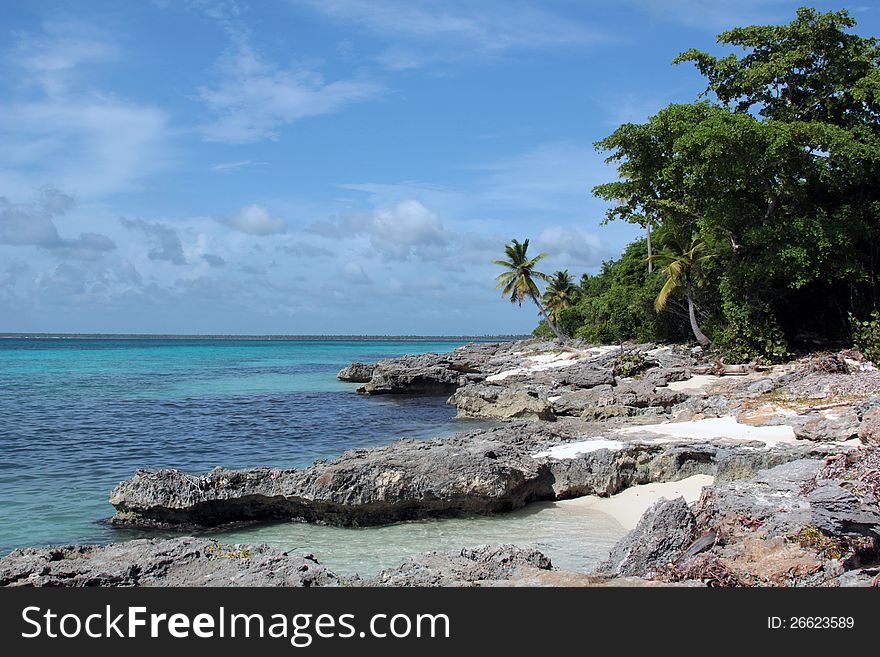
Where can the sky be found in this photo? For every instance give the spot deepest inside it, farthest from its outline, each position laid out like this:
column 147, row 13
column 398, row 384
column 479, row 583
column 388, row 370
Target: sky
column 321, row 166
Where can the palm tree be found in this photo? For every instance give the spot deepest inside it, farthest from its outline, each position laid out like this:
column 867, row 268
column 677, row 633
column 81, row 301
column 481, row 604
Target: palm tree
column 518, row 282
column 561, row 293
column 681, row 261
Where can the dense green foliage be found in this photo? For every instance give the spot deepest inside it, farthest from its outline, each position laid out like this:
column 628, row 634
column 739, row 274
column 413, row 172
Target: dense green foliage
column 617, row 304
column 866, row 336
column 776, row 175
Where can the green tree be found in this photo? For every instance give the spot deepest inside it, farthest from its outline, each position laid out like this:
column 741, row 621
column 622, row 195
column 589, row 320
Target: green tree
column 518, row 282
column 779, row 175
column 561, row 293
column 617, row 304
column 681, row 262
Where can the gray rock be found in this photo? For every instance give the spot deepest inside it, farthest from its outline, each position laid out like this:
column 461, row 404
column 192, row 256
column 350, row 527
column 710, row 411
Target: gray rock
column 575, row 402
column 861, row 577
column 833, row 426
column 709, row 406
column 838, row 512
column 773, row 499
column 481, row 565
column 171, row 562
column 761, row 386
column 664, row 532
column 357, row 372
column 585, row 377
column 478, row 472
column 869, row 429
column 484, row 471
column 397, row 379
column 505, row 402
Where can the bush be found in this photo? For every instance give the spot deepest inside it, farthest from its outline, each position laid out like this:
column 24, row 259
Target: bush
column 750, row 331
column 543, row 330
column 866, row 336
column 617, row 304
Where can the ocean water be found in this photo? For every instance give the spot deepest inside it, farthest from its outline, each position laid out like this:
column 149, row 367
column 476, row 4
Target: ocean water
column 79, row 415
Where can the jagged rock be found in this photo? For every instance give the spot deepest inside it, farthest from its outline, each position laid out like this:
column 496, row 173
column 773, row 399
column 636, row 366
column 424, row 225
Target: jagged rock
column 860, row 577
column 787, row 497
column 838, row 425
column 481, row 565
column 511, row 401
column 838, row 512
column 357, row 372
column 773, row 499
column 869, row 429
column 393, row 378
column 600, row 413
column 586, row 377
column 405, row 480
column 761, row 386
column 607, row 472
column 578, row 401
column 664, row 531
column 703, row 406
column 483, row 471
column 171, row 562
column 663, row 376
column 442, row 374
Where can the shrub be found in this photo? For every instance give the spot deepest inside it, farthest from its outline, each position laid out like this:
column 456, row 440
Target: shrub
column 866, row 336
column 750, row 330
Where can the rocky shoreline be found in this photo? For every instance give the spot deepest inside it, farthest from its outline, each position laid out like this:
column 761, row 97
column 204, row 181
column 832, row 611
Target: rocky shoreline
column 792, row 449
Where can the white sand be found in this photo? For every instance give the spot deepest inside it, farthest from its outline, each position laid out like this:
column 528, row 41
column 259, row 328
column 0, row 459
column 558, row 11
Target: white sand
column 553, row 360
column 541, row 363
column 697, row 383
column 603, row 350
column 721, row 427
column 575, row 449
column 628, row 506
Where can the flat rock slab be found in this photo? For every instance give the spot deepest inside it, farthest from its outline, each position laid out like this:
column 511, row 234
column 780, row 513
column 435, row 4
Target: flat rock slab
column 483, row 565
column 184, row 561
column 478, row 472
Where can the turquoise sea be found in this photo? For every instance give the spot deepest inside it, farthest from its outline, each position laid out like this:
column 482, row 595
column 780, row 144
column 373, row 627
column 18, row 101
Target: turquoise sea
column 79, row 415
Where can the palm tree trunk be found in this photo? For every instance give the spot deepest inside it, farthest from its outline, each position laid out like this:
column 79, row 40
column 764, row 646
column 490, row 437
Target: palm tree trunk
column 650, row 250
column 549, row 321
column 705, row 343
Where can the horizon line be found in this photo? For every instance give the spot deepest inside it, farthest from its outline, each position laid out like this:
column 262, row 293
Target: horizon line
column 259, row 336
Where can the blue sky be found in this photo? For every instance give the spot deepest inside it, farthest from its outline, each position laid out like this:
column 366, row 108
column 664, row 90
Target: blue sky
column 319, row 166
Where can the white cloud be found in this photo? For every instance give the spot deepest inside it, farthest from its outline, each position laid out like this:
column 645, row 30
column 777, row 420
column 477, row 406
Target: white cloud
column 434, row 30
column 64, row 131
column 32, row 224
column 571, row 246
column 550, row 176
column 165, row 241
column 399, row 232
column 255, row 220
column 353, row 272
column 52, row 58
column 254, row 99
column 229, row 167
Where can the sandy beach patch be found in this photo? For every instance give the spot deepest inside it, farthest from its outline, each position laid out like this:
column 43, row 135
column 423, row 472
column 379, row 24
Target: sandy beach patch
column 628, row 506
column 575, row 449
column 697, row 383
column 539, row 363
column 714, row 428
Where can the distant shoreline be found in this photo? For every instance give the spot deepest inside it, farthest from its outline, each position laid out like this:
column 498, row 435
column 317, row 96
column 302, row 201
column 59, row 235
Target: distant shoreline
column 279, row 338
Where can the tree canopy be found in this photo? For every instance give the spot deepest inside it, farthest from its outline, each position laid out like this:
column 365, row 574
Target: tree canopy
column 776, row 170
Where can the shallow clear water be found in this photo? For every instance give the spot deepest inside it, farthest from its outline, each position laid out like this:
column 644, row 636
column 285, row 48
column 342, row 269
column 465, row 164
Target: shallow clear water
column 78, row 416
column 574, row 538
